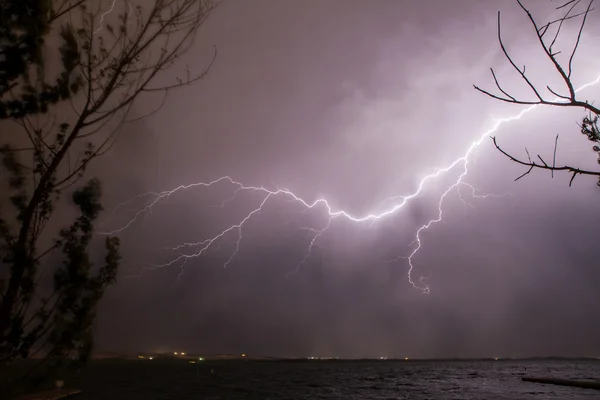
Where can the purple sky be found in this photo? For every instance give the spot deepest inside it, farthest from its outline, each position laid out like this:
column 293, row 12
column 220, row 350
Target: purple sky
column 357, row 101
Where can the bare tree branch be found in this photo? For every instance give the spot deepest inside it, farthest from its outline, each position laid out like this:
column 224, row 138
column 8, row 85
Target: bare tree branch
column 533, row 164
column 590, row 124
column 562, row 100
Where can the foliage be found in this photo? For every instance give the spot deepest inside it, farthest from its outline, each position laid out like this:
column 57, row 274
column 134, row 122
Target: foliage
column 25, row 25
column 63, row 317
column 589, row 127
column 67, row 120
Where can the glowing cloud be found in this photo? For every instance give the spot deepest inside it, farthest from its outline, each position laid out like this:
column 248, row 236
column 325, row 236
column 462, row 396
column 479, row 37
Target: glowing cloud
column 394, row 205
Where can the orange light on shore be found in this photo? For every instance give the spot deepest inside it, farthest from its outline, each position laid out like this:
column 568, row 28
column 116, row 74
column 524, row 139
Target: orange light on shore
column 243, row 354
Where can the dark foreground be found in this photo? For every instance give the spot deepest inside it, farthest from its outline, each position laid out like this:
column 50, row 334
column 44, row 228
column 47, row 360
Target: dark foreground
column 164, row 379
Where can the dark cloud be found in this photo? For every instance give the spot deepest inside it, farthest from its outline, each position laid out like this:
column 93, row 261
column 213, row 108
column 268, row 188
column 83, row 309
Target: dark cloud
column 356, row 101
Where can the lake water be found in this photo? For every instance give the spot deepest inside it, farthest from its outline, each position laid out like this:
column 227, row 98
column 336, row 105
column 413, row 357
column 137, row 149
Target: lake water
column 416, row 380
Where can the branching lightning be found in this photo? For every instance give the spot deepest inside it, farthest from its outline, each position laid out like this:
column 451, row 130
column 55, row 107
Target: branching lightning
column 394, row 205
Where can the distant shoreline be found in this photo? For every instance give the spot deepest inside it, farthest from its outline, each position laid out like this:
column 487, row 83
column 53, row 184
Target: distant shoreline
column 228, row 357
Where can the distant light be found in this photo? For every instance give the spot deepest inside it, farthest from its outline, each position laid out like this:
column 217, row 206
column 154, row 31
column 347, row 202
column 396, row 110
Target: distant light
column 405, row 358
column 201, row 359
column 175, row 353
column 140, row 356
column 495, row 358
column 243, row 354
column 192, row 362
column 183, row 354
column 151, row 358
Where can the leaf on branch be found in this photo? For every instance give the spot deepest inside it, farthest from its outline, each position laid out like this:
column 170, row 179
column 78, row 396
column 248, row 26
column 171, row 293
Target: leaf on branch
column 88, row 199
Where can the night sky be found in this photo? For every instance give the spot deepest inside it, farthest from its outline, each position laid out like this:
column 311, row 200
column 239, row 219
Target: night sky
column 355, row 102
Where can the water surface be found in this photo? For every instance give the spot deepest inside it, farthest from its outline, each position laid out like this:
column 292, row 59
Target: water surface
column 162, row 379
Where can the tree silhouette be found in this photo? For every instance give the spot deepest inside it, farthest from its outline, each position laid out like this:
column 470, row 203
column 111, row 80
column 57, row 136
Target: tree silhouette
column 67, row 119
column 589, row 126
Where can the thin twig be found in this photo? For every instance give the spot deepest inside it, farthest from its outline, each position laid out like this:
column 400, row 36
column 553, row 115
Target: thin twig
column 554, row 158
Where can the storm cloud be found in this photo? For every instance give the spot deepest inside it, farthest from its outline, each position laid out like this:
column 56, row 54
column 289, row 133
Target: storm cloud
column 355, row 102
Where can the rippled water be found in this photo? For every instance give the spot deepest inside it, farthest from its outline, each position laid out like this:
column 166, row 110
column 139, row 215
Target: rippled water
column 331, row 380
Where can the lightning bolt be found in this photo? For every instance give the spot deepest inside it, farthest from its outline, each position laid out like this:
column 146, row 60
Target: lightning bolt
column 110, row 10
column 397, row 203
column 103, row 15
